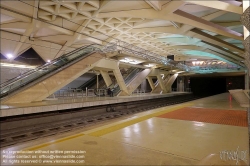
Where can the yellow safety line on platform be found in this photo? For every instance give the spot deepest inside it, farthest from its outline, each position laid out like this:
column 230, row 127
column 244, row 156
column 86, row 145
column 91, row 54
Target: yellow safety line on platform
column 56, row 141
column 107, row 130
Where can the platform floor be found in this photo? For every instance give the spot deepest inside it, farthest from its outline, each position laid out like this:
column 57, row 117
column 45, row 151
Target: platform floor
column 208, row 131
column 71, row 103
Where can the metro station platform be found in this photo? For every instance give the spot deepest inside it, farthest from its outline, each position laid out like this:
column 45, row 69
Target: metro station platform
column 202, row 132
column 71, row 103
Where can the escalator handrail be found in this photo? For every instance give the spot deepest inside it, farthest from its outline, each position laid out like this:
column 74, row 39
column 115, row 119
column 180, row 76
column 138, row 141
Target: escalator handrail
column 132, row 75
column 130, row 71
column 25, row 75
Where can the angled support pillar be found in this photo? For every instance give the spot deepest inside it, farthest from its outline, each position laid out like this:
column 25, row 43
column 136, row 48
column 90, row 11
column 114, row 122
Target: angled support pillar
column 161, row 83
column 114, row 66
column 160, row 87
column 246, row 22
column 170, row 83
column 106, row 78
column 120, row 80
column 151, row 83
column 131, row 87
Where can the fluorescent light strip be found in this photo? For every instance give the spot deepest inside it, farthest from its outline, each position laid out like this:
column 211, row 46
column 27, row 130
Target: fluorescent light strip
column 17, row 66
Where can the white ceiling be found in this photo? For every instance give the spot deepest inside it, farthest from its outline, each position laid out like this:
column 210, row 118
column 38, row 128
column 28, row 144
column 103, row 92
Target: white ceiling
column 54, row 27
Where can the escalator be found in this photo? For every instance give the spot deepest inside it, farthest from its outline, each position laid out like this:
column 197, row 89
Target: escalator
column 87, row 84
column 39, row 83
column 131, row 75
column 91, row 84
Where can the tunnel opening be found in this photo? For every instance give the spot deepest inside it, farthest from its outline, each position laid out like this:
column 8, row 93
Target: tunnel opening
column 215, row 85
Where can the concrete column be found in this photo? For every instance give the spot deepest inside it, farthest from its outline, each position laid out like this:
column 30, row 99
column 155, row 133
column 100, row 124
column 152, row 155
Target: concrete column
column 245, row 18
column 246, row 79
column 144, row 85
column 151, row 83
column 170, row 82
column 161, row 83
column 136, row 81
column 97, row 81
column 120, row 80
column 106, row 77
column 180, row 84
column 158, row 88
column 246, row 22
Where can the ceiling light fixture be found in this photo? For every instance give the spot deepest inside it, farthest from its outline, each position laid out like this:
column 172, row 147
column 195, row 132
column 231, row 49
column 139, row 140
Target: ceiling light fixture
column 17, row 65
column 149, row 65
column 9, row 56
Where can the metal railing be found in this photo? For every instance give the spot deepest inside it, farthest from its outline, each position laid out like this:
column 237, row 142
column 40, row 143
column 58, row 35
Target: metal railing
column 139, row 92
column 212, row 68
column 185, row 90
column 72, row 93
column 156, row 83
column 78, row 93
column 174, row 89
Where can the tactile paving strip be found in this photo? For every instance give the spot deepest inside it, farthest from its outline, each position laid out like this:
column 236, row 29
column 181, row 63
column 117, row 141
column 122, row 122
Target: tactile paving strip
column 207, row 115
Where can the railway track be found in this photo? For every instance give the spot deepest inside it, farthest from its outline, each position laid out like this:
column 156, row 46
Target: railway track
column 27, row 133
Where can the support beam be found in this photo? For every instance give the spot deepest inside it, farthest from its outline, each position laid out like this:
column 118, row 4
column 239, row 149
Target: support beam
column 19, row 25
column 75, row 37
column 160, row 87
column 172, row 7
column 219, row 5
column 211, row 39
column 170, row 82
column 131, row 87
column 190, row 19
column 56, row 28
column 29, row 30
column 161, row 83
column 179, row 15
column 154, row 4
column 106, row 78
column 120, row 81
column 110, row 39
column 54, row 37
column 16, row 15
column 151, row 83
column 195, row 33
